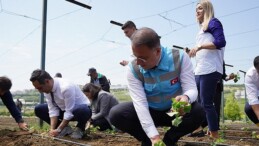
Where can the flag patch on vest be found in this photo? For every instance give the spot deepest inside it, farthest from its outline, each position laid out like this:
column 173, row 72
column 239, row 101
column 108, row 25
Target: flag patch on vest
column 174, row 81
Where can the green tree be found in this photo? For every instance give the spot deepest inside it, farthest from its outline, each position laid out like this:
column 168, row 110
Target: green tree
column 232, row 110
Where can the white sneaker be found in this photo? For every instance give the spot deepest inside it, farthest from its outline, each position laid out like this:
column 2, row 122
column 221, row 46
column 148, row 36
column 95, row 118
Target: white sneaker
column 77, row 134
column 66, row 131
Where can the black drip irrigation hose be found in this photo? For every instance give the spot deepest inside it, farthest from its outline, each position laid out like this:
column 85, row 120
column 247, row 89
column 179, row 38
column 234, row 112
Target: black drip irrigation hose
column 62, row 140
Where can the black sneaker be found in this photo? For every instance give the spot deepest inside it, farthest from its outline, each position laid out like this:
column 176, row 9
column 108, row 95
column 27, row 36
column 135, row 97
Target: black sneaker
column 197, row 134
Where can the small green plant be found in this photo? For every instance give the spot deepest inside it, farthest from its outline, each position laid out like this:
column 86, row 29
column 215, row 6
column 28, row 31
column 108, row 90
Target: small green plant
column 236, row 77
column 255, row 135
column 222, row 134
column 177, row 108
column 166, row 128
column 245, row 128
column 160, row 143
column 109, row 131
column 94, row 129
column 223, row 127
column 218, row 141
column 35, row 127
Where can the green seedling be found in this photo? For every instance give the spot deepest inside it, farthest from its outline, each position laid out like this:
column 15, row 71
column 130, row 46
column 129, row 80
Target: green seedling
column 218, row 141
column 160, row 143
column 255, row 135
column 245, row 128
column 237, row 77
column 109, row 131
column 166, row 128
column 177, row 121
column 177, row 107
column 94, row 129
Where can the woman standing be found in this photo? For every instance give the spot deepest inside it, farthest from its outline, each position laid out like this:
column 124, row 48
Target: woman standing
column 209, row 53
column 101, row 103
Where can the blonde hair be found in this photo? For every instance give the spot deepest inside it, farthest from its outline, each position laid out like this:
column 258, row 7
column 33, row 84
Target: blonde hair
column 208, row 13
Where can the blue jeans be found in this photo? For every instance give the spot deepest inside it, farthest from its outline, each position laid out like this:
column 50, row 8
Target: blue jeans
column 206, row 85
column 82, row 113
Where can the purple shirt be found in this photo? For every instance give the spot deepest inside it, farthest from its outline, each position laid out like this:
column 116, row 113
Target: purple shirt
column 216, row 29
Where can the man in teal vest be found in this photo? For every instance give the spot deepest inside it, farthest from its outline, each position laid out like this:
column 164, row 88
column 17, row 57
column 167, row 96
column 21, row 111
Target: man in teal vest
column 155, row 77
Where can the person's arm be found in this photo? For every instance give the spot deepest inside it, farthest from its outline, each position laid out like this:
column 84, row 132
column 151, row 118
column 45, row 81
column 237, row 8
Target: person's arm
column 104, row 101
column 140, row 103
column 187, row 79
column 216, row 30
column 7, row 99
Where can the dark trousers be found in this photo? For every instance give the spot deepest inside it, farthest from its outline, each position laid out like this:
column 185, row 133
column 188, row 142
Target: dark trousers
column 251, row 114
column 206, row 85
column 102, row 123
column 124, row 117
column 217, row 100
column 82, row 113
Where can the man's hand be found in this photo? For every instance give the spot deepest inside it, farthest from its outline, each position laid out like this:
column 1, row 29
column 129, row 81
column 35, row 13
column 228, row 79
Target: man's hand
column 53, row 132
column 182, row 98
column 231, row 76
column 124, row 62
column 155, row 139
column 193, row 51
column 23, row 126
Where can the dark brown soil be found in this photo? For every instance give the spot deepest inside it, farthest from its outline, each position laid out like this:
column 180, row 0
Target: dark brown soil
column 232, row 134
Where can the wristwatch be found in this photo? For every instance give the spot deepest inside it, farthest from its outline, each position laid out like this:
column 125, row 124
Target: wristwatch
column 59, row 130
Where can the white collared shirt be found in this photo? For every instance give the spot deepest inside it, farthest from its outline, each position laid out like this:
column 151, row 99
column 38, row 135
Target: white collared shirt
column 252, row 86
column 66, row 95
column 139, row 99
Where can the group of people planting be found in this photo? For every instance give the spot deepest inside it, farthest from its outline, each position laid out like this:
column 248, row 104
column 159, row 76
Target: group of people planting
column 155, row 76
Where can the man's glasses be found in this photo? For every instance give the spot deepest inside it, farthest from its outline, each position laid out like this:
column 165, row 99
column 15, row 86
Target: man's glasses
column 140, row 59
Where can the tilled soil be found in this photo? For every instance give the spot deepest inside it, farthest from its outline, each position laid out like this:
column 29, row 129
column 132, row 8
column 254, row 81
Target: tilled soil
column 232, row 134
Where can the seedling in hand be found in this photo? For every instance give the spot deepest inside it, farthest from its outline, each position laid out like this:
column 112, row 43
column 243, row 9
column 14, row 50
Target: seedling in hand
column 178, row 109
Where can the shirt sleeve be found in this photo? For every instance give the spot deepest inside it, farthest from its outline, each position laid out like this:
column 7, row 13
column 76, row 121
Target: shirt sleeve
column 187, row 78
column 69, row 98
column 216, row 29
column 53, row 110
column 7, row 99
column 104, row 106
column 140, row 103
column 251, row 89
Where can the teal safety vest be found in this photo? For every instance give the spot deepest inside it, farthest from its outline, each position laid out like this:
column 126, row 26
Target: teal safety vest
column 162, row 83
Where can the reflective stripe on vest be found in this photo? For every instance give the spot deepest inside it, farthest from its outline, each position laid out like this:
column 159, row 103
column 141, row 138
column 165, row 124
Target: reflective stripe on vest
column 157, row 97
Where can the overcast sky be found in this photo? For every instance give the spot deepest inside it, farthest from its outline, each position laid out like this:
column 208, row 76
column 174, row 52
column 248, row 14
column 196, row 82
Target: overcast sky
column 79, row 38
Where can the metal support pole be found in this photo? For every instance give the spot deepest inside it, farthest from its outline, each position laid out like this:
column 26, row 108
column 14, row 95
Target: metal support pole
column 223, row 98
column 43, row 46
column 246, row 119
column 222, row 105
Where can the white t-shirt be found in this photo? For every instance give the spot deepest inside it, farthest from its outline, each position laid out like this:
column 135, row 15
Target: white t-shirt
column 207, row 60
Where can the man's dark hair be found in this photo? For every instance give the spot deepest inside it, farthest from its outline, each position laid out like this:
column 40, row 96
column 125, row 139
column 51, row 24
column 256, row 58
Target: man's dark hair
column 59, row 75
column 40, row 76
column 145, row 36
column 256, row 62
column 128, row 24
column 5, row 83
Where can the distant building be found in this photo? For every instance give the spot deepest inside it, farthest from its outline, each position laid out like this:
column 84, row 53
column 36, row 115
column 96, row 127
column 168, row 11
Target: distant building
column 240, row 94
